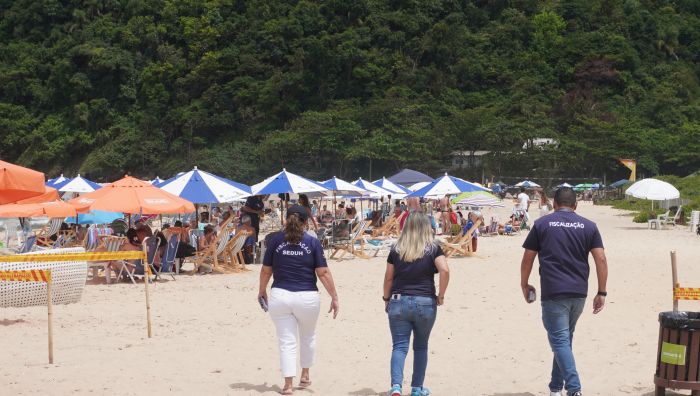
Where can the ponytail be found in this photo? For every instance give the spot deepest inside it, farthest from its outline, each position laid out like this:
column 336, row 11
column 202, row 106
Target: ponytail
column 294, row 229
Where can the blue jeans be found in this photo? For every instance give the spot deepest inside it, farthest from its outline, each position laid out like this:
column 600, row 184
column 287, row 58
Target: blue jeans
column 411, row 314
column 559, row 318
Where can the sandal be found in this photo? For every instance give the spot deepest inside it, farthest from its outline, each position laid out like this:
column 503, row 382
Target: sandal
column 304, row 383
column 287, row 391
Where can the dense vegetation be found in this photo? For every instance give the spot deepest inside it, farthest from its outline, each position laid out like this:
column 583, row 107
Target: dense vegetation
column 244, row 87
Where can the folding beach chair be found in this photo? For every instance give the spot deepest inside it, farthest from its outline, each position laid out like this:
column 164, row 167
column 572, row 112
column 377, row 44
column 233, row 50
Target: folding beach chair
column 348, row 246
column 28, row 244
column 167, row 263
column 233, row 252
column 111, row 244
column 463, row 245
column 43, row 237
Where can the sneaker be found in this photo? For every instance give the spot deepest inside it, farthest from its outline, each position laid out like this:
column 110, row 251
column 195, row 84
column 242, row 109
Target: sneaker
column 554, row 393
column 395, row 390
column 420, row 391
column 577, row 393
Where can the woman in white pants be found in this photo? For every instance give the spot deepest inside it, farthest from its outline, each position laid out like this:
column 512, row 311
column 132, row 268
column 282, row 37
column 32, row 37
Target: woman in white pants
column 295, row 259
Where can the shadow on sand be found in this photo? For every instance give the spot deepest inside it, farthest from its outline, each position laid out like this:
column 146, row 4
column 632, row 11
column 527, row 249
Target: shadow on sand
column 366, row 392
column 10, row 322
column 266, row 388
column 514, row 394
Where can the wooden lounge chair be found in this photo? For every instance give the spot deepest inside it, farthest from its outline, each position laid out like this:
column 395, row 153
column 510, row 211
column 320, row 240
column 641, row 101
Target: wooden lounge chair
column 348, row 245
column 388, row 228
column 233, row 252
column 212, row 252
column 462, row 246
column 43, row 237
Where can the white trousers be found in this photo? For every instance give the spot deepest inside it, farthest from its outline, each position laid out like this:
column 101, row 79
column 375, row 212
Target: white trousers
column 295, row 315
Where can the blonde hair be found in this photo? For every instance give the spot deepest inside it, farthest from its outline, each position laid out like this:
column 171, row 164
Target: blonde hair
column 416, row 237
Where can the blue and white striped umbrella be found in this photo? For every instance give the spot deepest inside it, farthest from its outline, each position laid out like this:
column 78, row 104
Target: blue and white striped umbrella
column 343, row 188
column 157, row 181
column 286, row 182
column 200, row 187
column 398, row 190
column 564, row 185
column 444, row 185
column 374, row 191
column 77, row 184
column 55, row 181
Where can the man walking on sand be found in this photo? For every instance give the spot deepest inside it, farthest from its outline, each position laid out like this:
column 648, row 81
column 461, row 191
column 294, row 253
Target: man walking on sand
column 563, row 241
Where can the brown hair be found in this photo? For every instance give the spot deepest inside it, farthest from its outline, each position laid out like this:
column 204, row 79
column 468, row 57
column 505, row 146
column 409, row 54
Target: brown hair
column 294, row 229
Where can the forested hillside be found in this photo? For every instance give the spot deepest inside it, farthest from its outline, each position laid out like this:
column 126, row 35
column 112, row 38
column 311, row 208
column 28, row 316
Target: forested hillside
column 326, row 87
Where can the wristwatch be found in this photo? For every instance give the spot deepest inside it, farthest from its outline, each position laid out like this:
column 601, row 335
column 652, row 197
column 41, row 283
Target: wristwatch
column 386, row 299
column 602, row 293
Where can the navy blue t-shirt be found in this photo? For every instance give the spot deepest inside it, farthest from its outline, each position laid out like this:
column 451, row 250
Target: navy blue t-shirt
column 294, row 265
column 415, row 278
column 563, row 240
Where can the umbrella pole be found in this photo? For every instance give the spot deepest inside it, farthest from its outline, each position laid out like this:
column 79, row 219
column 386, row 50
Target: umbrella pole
column 147, row 271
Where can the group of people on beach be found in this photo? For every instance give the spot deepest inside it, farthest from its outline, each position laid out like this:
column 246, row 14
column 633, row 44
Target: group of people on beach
column 294, row 260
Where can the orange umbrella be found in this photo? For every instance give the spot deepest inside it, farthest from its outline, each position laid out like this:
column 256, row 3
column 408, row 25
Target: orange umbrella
column 17, row 182
column 133, row 196
column 51, row 194
column 56, row 208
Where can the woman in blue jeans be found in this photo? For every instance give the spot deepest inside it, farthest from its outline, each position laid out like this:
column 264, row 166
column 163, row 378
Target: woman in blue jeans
column 410, row 298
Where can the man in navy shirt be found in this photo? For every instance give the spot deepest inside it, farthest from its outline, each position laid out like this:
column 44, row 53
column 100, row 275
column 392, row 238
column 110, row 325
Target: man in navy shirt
column 563, row 241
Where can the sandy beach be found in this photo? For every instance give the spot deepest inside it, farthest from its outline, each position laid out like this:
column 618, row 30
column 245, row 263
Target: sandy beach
column 212, row 338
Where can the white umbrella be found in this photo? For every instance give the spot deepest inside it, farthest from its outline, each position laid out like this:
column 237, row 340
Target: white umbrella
column 653, row 189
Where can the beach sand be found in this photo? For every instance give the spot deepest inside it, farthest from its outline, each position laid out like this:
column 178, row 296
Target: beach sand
column 211, row 337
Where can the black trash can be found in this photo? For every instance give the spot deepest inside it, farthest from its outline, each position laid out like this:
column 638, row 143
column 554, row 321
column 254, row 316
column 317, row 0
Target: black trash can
column 678, row 356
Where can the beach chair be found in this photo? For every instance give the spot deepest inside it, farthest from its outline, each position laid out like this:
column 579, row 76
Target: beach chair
column 212, row 252
column 492, row 229
column 464, row 245
column 111, row 244
column 659, row 221
column 28, row 244
column 138, row 270
column 348, row 245
column 388, row 228
column 233, row 252
column 167, row 263
column 379, row 244
column 43, row 237
column 676, row 217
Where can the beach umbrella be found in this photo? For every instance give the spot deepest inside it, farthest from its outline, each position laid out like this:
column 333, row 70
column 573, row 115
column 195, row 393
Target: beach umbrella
column 55, row 208
column 478, row 198
column 18, row 182
column 343, row 188
column 418, row 186
column 56, row 180
column 398, row 190
column 95, row 217
column 374, row 191
column 202, row 187
column 407, row 177
column 133, row 196
column 286, row 183
column 156, row 181
column 564, row 185
column 50, row 194
column 77, row 184
column 446, row 185
column 653, row 189
column 619, row 183
column 527, row 184
column 583, row 186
